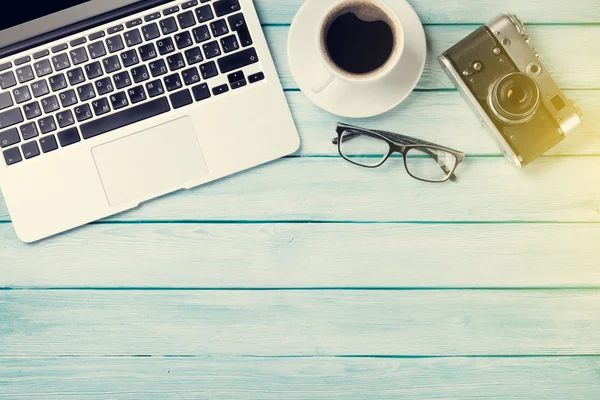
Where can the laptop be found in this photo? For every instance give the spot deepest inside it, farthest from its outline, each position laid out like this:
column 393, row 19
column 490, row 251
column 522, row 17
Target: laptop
column 106, row 104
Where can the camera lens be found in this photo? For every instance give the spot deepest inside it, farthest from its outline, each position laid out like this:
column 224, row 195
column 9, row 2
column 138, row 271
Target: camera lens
column 515, row 98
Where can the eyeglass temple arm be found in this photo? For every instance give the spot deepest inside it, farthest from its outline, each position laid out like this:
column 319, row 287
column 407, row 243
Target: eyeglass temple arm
column 395, row 137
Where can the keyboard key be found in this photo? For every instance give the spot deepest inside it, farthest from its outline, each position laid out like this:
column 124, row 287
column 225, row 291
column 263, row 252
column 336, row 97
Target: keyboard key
column 223, row 7
column 147, row 52
column 181, row 99
column 86, row 92
column 208, row 70
column 136, row 94
column 40, row 88
column 152, row 17
column 75, row 76
column 168, row 25
column 204, row 13
column 42, row 68
column 211, row 50
column 189, row 4
column 219, row 27
column 115, row 29
column 5, row 100
column 97, row 50
column 238, row 24
column 78, row 56
column 22, row 94
column 171, row 10
column 118, row 100
column 25, row 74
column 237, row 80
column 5, row 66
column 59, row 48
column 94, row 70
column 111, row 64
column 259, row 76
column 173, row 82
column 158, row 68
column 68, row 137
column 122, row 79
column 133, row 23
column 48, row 144
column 237, row 60
column 29, row 131
column 32, row 110
column 155, row 88
column 115, row 43
column 175, row 61
column 50, row 104
column 12, row 156
column 191, row 76
column 126, row 117
column 104, row 86
column 186, row 19
column 201, row 92
column 201, row 34
column 77, row 42
column 96, row 35
column 229, row 44
column 220, row 89
column 58, row 82
column 140, row 74
column 68, row 98
column 83, row 112
column 193, row 56
column 61, row 62
column 7, row 80
column 129, row 58
column 165, row 46
column 22, row 60
column 183, row 40
column 9, row 137
column 30, row 150
column 150, row 31
column 65, row 118
column 40, row 54
column 100, row 106
column 132, row 37
column 47, row 124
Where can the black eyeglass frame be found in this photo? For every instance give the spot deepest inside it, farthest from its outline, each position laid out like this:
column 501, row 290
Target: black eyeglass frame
column 398, row 144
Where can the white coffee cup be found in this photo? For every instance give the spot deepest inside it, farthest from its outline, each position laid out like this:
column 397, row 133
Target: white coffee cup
column 368, row 11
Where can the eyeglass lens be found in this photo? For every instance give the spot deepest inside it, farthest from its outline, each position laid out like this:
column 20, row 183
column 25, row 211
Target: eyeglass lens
column 430, row 164
column 363, row 149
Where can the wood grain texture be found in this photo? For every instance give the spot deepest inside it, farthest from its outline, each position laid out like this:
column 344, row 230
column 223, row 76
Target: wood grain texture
column 570, row 53
column 444, row 12
column 574, row 378
column 331, row 189
column 306, row 256
column 299, row 323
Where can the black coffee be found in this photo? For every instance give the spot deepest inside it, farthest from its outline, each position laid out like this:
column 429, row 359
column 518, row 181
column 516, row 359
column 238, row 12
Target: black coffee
column 357, row 46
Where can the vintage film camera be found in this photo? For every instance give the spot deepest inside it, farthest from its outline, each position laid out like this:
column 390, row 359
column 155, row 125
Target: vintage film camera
column 500, row 74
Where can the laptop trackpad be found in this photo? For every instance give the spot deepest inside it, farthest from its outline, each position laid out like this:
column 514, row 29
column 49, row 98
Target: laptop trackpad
column 150, row 163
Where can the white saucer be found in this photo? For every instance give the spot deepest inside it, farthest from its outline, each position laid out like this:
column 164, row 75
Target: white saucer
column 355, row 100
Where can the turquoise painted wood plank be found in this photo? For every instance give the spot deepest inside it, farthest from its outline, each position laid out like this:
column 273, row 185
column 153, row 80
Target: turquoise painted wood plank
column 307, row 256
column 469, row 11
column 574, row 378
column 299, row 323
column 331, row 189
column 571, row 53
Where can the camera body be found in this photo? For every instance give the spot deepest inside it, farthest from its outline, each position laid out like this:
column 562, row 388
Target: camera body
column 502, row 78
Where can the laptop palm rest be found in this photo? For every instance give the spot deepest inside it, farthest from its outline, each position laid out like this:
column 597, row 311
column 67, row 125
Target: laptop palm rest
column 150, row 163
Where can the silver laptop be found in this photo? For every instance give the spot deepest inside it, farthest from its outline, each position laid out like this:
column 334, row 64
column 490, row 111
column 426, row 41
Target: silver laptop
column 105, row 104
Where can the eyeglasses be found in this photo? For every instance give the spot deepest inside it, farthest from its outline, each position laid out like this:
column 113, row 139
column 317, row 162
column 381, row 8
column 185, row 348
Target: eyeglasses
column 424, row 161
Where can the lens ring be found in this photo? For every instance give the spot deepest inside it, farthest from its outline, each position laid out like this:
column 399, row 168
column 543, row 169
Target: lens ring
column 514, row 98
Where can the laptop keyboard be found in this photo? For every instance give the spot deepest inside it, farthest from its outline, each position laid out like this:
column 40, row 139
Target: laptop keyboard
column 131, row 72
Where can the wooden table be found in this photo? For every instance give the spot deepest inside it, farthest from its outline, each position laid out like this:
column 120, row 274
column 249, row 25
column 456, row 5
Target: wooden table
column 311, row 278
